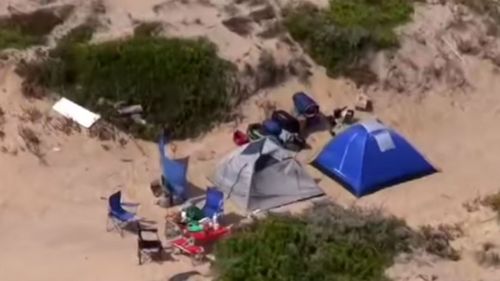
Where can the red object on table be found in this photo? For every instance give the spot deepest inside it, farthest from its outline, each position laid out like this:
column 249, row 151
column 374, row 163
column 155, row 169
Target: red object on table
column 209, row 234
column 240, row 138
column 187, row 246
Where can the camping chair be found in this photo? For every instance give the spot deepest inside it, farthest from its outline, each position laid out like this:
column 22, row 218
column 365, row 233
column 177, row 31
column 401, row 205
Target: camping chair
column 120, row 217
column 214, row 203
column 174, row 174
column 148, row 249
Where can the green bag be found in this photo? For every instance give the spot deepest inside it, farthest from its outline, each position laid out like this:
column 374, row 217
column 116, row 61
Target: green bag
column 194, row 214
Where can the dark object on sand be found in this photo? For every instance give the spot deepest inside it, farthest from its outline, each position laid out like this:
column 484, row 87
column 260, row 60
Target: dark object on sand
column 240, row 138
column 184, row 276
column 148, row 248
column 157, row 188
column 286, row 121
column 271, row 127
column 255, row 131
column 295, row 143
column 344, row 115
column 305, row 105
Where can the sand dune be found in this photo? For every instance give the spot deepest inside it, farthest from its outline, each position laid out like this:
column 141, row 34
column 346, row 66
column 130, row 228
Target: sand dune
column 52, row 217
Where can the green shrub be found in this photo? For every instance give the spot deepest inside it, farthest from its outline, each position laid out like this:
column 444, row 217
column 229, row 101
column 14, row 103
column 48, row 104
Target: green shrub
column 180, row 83
column 328, row 242
column 22, row 30
column 339, row 36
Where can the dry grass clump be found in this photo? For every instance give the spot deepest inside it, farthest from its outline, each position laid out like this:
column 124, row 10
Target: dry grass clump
column 437, row 240
column 2, row 122
column 493, row 201
column 269, row 73
column 239, row 24
column 32, row 142
column 66, row 126
column 488, row 256
column 31, row 114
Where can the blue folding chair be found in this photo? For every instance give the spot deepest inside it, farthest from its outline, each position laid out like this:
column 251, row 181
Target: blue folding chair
column 214, row 203
column 174, row 174
column 118, row 215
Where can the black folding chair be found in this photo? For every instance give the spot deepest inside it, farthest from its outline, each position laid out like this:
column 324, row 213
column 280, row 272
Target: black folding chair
column 149, row 246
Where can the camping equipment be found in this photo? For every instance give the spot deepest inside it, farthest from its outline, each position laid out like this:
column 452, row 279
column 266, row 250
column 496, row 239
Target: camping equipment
column 187, row 246
column 193, row 213
column 363, row 103
column 214, row 203
column 209, row 234
column 173, row 174
column 156, row 188
column 172, row 228
column 305, row 105
column 369, row 156
column 263, row 175
column 255, row 131
column 194, row 226
column 148, row 248
column 344, row 115
column 295, row 143
column 286, row 121
column 76, row 112
column 120, row 217
column 271, row 127
column 240, row 138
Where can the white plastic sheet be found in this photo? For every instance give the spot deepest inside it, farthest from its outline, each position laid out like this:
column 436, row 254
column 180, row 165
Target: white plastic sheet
column 76, row 112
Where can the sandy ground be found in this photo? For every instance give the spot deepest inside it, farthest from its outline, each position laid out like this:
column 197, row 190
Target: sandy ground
column 53, row 218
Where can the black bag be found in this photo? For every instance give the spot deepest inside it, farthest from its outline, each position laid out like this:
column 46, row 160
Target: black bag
column 286, row 121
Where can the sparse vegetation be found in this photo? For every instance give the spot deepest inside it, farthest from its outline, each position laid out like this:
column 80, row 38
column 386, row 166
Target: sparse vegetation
column 148, row 29
column 493, row 201
column 180, row 83
column 437, row 240
column 66, row 126
column 327, row 242
column 239, row 25
column 487, row 256
column 31, row 114
column 22, row 30
column 340, row 36
column 269, row 73
column 32, row 142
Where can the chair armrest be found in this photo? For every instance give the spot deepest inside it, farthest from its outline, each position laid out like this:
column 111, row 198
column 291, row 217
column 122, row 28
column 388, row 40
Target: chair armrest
column 152, row 230
column 132, row 206
column 194, row 201
column 129, row 204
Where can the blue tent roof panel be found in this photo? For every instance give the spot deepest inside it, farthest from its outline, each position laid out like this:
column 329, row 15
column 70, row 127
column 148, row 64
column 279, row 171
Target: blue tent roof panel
column 369, row 156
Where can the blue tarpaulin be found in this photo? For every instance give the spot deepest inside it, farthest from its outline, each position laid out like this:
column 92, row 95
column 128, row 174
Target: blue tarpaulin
column 174, row 172
column 370, row 156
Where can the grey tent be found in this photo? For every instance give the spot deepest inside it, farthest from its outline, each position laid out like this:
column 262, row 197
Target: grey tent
column 263, row 175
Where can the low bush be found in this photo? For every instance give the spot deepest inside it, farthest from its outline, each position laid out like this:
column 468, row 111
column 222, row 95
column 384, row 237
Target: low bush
column 181, row 83
column 22, row 30
column 339, row 36
column 328, row 242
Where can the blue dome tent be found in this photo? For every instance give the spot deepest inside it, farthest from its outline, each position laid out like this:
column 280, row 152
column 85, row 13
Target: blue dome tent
column 370, row 156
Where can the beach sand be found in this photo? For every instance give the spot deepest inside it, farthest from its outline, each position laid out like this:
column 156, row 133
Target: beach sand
column 53, row 216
